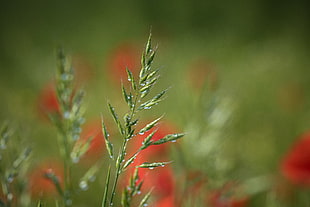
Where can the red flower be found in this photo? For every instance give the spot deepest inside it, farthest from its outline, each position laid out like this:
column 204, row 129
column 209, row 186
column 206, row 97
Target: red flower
column 124, row 55
column 40, row 185
column 47, row 101
column 160, row 179
column 168, row 201
column 296, row 163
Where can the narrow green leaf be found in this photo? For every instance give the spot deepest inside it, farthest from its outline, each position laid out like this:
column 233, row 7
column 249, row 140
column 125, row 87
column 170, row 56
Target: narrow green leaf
column 152, row 74
column 80, row 149
column 136, row 175
column 145, row 59
column 52, row 177
column 149, row 104
column 104, row 129
column 132, row 182
column 143, row 69
column 145, row 199
column 22, row 157
column 154, row 101
column 131, row 79
column 129, row 161
column 127, row 97
column 168, row 138
column 145, row 93
column 149, row 84
column 159, row 95
column 124, row 93
column 151, row 57
column 120, row 159
column 78, row 97
column 152, row 165
column 106, row 189
column 139, row 186
column 150, row 125
column 38, row 205
column 125, row 198
column 147, row 141
column 117, row 121
column 108, row 144
column 89, row 176
column 148, row 46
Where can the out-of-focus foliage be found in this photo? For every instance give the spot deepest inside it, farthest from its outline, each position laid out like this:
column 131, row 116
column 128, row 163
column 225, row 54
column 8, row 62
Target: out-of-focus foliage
column 239, row 81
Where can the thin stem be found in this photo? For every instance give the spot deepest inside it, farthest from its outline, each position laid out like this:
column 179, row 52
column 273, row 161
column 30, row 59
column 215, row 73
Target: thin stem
column 67, row 166
column 124, row 146
column 105, row 195
column 114, row 186
column 66, row 136
column 118, row 170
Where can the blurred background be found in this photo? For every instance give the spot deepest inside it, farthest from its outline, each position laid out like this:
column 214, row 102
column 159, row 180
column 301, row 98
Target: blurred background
column 238, row 72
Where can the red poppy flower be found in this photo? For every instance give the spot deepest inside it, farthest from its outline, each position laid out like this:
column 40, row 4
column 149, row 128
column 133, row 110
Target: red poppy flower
column 160, row 179
column 168, row 201
column 125, row 55
column 47, row 101
column 296, row 163
column 40, row 185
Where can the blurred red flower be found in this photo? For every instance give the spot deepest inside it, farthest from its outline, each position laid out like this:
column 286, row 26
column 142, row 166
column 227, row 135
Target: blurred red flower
column 160, row 179
column 47, row 102
column 40, row 185
column 296, row 163
column 168, row 201
column 124, row 55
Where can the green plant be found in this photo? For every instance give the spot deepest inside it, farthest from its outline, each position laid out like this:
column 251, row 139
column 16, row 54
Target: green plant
column 135, row 98
column 14, row 163
column 69, row 119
